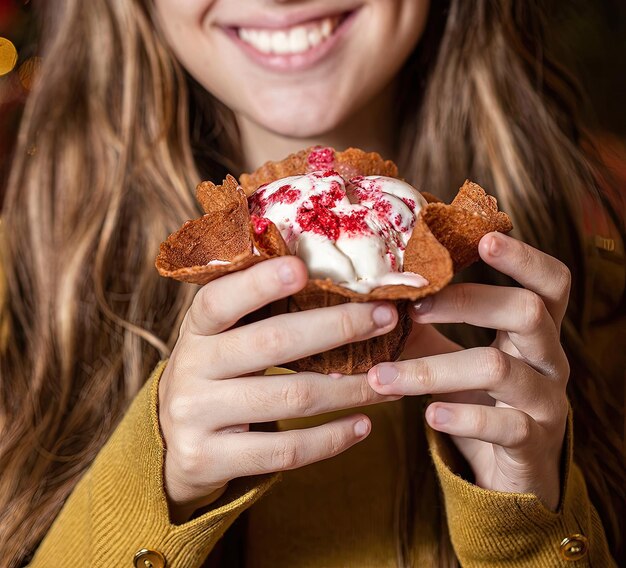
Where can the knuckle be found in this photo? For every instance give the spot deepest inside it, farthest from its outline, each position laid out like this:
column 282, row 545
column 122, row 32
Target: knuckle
column 479, row 422
column 188, row 457
column 559, row 369
column 183, row 360
column 563, row 278
column 523, row 431
column 285, row 455
column 533, row 310
column 186, row 325
column 298, row 397
column 208, row 305
column 254, row 398
column 250, row 461
column 561, row 410
column 346, row 326
column 462, row 299
column 258, row 284
column 365, row 393
column 272, row 340
column 179, row 409
column 335, row 442
column 526, row 257
column 554, row 411
column 498, row 365
column 422, row 374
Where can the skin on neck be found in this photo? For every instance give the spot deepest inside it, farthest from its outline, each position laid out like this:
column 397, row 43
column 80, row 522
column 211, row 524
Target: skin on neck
column 370, row 128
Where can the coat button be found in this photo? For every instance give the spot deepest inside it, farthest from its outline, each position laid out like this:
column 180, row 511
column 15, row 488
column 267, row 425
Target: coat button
column 149, row 559
column 574, row 547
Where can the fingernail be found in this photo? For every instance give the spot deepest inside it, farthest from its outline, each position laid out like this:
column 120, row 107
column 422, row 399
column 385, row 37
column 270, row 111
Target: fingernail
column 335, row 375
column 286, row 274
column 424, row 305
column 386, row 373
column 382, row 316
column 442, row 415
column 361, row 428
column 497, row 246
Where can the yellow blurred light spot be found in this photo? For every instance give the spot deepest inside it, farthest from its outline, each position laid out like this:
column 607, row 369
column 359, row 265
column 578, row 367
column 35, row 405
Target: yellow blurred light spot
column 8, row 56
column 28, row 72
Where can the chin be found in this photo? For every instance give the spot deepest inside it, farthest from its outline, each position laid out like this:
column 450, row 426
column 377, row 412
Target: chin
column 296, row 125
column 298, row 117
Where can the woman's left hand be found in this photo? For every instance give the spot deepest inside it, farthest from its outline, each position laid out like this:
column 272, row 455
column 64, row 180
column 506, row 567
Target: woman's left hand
column 504, row 406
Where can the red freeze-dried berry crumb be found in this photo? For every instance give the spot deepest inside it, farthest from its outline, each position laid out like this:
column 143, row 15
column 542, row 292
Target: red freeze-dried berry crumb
column 258, row 203
column 284, row 194
column 319, row 220
column 329, row 173
column 321, row 159
column 260, row 224
column 330, row 197
column 354, row 222
column 409, row 202
column 382, row 207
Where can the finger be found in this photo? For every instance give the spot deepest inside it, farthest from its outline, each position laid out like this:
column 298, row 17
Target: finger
column 279, row 397
column 502, row 376
column 517, row 311
column 288, row 337
column 507, row 427
column 533, row 269
column 254, row 453
column 222, row 302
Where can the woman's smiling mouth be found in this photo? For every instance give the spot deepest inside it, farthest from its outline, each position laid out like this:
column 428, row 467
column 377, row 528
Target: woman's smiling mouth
column 291, row 47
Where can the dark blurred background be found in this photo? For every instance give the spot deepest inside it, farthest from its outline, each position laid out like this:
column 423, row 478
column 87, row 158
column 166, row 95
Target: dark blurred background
column 18, row 67
column 590, row 37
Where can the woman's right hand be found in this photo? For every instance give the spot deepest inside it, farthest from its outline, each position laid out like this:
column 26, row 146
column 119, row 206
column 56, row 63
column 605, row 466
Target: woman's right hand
column 207, row 403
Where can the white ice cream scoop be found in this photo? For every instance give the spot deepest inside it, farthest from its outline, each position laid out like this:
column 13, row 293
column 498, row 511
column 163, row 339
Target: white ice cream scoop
column 353, row 232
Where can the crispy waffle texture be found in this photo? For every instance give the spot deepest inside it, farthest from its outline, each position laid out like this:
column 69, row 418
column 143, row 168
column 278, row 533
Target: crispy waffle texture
column 444, row 240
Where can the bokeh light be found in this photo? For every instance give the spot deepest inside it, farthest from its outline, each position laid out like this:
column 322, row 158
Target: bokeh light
column 28, row 72
column 8, row 56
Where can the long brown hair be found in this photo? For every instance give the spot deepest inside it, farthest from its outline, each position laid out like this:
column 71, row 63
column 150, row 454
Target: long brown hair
column 110, row 146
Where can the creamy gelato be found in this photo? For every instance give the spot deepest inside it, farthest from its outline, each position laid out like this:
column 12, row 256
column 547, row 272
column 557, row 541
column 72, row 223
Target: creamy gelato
column 353, row 232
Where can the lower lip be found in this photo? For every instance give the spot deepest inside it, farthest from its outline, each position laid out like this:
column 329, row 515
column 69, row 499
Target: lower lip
column 296, row 61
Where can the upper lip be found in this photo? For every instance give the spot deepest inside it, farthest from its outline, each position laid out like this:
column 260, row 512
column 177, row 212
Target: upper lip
column 281, row 21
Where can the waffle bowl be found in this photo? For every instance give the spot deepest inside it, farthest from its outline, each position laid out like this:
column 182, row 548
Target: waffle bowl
column 228, row 239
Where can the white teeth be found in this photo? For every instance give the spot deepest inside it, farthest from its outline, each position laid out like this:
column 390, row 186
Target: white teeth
column 264, row 42
column 280, row 43
column 289, row 41
column 298, row 40
column 315, row 37
column 327, row 27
